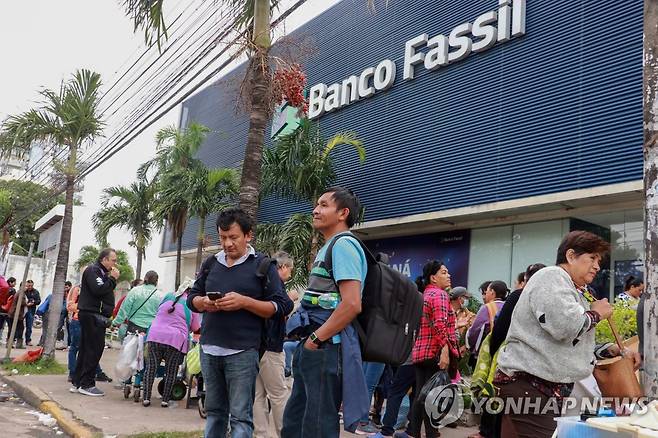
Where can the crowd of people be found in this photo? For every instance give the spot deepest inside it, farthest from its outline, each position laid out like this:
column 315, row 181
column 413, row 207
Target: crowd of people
column 267, row 353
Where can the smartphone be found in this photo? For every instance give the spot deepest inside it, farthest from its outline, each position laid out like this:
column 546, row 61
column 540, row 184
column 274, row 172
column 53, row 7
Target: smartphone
column 215, row 295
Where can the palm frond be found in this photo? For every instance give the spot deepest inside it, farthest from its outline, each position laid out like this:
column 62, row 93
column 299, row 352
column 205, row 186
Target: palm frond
column 148, row 16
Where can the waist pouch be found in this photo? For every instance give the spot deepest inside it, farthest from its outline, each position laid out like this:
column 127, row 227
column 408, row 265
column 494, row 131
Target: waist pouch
column 102, row 321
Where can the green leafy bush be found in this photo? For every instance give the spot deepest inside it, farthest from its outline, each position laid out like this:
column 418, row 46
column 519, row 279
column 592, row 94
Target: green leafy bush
column 625, row 319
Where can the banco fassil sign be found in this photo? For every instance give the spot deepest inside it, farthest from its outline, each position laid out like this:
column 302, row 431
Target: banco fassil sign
column 423, row 51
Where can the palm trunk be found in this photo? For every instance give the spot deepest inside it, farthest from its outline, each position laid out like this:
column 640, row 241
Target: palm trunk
column 61, row 269
column 201, row 235
column 179, row 248
column 651, row 190
column 259, row 112
column 140, row 256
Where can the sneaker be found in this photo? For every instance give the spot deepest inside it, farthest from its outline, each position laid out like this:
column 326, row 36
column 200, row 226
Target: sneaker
column 74, row 389
column 146, row 403
column 381, row 435
column 401, row 435
column 28, row 343
column 366, row 429
column 102, row 377
column 164, row 404
column 92, row 392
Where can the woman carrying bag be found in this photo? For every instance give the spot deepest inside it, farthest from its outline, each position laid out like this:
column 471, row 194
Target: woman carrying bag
column 168, row 339
column 550, row 343
column 436, row 347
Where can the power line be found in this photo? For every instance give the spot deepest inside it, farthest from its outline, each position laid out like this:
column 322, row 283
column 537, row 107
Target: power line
column 111, row 151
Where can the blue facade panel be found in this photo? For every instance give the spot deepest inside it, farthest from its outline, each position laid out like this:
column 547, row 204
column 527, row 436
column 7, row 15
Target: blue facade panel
column 559, row 108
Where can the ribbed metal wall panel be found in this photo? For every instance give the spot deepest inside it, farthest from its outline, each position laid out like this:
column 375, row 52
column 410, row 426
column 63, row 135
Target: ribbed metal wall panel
column 557, row 109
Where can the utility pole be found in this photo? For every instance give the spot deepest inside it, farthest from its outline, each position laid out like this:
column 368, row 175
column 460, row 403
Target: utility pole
column 650, row 117
column 18, row 299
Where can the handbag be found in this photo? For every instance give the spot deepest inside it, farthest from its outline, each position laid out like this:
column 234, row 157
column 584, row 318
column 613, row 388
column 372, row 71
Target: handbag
column 616, row 377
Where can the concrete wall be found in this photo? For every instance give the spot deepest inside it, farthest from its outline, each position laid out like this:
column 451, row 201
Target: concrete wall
column 42, row 272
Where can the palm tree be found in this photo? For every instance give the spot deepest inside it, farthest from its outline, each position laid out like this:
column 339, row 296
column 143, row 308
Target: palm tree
column 69, row 119
column 174, row 162
column 210, row 190
column 89, row 255
column 254, row 17
column 299, row 167
column 131, row 208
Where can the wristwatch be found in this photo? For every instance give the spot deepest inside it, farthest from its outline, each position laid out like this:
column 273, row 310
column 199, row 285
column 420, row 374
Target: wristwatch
column 316, row 340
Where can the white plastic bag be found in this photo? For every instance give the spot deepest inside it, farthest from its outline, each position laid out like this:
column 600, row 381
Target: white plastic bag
column 127, row 363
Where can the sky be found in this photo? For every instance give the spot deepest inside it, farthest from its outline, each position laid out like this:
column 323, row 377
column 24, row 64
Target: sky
column 45, row 41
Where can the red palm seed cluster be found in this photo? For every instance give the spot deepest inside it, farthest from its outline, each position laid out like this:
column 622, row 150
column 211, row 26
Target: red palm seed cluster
column 288, row 84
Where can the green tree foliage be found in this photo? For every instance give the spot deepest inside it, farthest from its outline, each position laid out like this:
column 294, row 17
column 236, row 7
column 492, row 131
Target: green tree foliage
column 25, row 196
column 299, row 166
column 132, row 209
column 625, row 320
column 89, row 255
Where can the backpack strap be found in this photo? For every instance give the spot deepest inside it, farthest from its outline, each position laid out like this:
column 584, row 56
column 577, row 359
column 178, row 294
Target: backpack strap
column 492, row 309
column 263, row 269
column 328, row 265
column 328, row 255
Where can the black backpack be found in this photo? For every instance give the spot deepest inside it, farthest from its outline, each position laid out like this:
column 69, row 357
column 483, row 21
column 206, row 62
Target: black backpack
column 390, row 311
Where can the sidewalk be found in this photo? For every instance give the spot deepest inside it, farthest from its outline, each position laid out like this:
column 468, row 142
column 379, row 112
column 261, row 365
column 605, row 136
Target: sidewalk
column 112, row 415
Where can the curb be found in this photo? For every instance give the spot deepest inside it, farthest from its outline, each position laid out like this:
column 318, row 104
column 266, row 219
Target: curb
column 42, row 401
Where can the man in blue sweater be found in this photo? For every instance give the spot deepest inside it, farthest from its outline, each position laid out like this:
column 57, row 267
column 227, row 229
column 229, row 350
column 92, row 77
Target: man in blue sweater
column 236, row 301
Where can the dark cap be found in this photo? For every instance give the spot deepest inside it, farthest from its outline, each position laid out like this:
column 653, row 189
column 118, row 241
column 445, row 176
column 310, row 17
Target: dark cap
column 459, row 291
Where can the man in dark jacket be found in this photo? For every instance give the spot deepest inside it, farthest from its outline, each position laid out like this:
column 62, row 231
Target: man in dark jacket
column 33, row 300
column 236, row 301
column 95, row 306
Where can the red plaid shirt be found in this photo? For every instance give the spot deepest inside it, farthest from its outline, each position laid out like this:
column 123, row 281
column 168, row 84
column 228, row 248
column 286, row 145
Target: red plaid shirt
column 437, row 326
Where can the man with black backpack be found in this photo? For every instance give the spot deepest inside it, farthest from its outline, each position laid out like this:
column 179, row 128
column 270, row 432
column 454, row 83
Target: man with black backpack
column 327, row 367
column 237, row 295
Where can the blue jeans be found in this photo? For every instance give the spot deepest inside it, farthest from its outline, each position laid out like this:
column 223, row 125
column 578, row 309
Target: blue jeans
column 230, row 383
column 74, row 346
column 405, row 378
column 317, row 393
column 29, row 321
column 373, row 372
column 289, row 349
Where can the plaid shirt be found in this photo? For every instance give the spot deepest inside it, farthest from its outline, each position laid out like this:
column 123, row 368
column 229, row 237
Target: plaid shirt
column 437, row 326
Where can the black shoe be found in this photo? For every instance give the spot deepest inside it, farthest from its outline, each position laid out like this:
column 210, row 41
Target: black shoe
column 102, row 377
column 287, row 373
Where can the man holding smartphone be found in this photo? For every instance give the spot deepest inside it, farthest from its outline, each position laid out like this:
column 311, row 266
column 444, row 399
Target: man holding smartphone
column 236, row 301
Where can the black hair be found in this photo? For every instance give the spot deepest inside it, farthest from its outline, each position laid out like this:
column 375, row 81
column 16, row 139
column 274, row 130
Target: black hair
column 151, row 277
column 135, row 282
column 429, row 269
column 500, row 288
column 68, row 283
column 346, row 198
column 230, row 216
column 483, row 287
column 30, row 281
column 11, row 280
column 173, row 303
column 532, row 270
column 632, row 281
column 104, row 254
column 521, row 277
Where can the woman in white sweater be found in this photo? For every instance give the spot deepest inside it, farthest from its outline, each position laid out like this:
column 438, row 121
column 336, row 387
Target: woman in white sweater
column 550, row 344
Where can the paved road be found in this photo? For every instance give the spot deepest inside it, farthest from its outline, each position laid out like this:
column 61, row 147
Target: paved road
column 18, row 419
